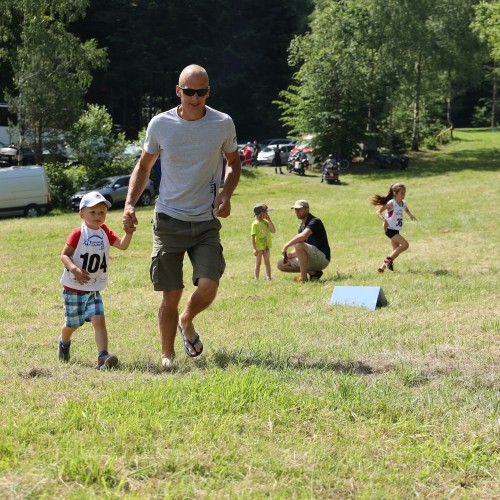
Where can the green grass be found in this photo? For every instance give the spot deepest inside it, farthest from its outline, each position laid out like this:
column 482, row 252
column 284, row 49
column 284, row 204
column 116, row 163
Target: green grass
column 293, row 397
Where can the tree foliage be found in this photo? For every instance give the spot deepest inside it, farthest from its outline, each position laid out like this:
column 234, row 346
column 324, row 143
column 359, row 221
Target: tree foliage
column 394, row 68
column 333, row 85
column 487, row 25
column 241, row 44
column 52, row 69
column 95, row 145
column 389, row 65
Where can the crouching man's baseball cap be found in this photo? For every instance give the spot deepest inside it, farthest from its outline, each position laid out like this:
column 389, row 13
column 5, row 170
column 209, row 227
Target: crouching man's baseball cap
column 93, row 198
column 301, row 204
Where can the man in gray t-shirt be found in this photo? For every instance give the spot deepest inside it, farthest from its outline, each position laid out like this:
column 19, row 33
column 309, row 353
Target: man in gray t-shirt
column 191, row 141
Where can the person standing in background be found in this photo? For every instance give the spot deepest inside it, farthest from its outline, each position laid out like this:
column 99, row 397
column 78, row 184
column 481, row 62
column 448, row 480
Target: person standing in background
column 262, row 228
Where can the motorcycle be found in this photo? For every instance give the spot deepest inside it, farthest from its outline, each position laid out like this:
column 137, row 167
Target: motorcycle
column 298, row 164
column 393, row 161
column 330, row 172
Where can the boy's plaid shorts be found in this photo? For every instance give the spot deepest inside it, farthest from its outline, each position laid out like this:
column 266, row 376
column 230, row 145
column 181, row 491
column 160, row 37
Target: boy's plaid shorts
column 81, row 306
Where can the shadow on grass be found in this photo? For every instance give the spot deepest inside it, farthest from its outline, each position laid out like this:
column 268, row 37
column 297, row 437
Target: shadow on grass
column 221, row 358
column 436, row 272
column 224, row 358
column 36, row 372
column 249, row 172
column 339, row 277
column 481, row 160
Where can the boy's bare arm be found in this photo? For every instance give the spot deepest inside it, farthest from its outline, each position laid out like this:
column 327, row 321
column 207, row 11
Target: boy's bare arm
column 124, row 242
column 137, row 183
column 81, row 275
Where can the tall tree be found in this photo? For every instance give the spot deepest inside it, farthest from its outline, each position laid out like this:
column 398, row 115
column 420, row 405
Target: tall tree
column 51, row 68
column 334, row 84
column 487, row 24
column 408, row 42
column 396, row 61
column 460, row 55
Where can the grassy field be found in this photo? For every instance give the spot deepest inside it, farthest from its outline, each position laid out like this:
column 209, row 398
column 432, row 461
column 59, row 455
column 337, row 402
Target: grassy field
column 293, row 397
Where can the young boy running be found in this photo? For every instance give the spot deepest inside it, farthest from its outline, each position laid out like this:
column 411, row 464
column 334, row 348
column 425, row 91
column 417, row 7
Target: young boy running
column 86, row 260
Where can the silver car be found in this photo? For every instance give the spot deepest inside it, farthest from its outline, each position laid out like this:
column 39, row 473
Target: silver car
column 114, row 189
column 266, row 156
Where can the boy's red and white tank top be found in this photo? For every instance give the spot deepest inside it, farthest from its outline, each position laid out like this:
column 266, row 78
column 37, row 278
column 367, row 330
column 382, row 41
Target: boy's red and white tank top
column 394, row 217
column 91, row 253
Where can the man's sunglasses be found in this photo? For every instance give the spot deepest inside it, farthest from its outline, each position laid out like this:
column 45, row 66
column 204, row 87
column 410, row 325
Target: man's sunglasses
column 192, row 92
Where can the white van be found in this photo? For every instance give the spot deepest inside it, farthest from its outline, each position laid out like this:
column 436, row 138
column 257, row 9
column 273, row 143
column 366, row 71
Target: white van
column 24, row 191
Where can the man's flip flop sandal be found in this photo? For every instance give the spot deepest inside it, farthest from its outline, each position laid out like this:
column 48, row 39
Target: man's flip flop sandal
column 186, row 341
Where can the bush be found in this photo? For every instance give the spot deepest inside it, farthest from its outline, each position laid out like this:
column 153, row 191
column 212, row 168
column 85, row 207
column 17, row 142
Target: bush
column 481, row 116
column 64, row 182
column 95, row 146
column 430, row 143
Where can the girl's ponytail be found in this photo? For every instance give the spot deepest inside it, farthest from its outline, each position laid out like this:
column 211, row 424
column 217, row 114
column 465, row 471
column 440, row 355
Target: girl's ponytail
column 382, row 200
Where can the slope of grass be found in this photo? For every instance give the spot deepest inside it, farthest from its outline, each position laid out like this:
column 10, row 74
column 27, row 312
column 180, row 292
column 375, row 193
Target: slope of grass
column 293, row 397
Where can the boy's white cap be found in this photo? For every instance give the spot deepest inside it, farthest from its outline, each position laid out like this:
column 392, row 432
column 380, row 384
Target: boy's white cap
column 93, row 198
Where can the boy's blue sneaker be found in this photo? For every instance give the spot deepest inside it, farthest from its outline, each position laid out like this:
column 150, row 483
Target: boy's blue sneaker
column 107, row 361
column 62, row 352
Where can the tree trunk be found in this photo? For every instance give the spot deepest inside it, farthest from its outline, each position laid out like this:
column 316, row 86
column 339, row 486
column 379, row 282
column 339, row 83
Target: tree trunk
column 448, row 102
column 494, row 98
column 415, row 139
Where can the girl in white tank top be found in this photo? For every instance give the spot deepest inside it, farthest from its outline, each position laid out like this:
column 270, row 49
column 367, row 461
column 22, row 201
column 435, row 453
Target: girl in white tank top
column 394, row 205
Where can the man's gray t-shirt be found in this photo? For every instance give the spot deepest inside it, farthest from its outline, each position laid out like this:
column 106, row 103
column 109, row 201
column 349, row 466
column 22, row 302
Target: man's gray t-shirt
column 191, row 161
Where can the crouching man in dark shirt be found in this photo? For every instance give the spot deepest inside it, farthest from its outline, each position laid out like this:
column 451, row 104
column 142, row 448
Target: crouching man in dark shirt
column 312, row 251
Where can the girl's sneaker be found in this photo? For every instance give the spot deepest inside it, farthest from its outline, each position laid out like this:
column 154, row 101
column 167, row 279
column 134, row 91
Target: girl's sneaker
column 107, row 361
column 389, row 263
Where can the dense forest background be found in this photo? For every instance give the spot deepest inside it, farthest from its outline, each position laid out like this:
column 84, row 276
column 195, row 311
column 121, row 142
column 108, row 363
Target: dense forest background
column 243, row 45
column 343, row 69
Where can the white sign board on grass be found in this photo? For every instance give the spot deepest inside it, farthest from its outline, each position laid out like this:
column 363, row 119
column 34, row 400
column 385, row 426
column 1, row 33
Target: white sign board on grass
column 370, row 297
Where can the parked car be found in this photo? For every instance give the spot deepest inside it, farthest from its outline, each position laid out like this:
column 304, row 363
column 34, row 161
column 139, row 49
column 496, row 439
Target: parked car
column 11, row 156
column 266, row 156
column 114, row 189
column 270, row 142
column 241, row 148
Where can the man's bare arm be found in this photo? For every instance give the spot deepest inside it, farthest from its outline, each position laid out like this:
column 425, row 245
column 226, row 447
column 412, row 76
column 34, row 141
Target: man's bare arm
column 222, row 203
column 137, row 184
